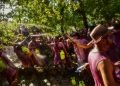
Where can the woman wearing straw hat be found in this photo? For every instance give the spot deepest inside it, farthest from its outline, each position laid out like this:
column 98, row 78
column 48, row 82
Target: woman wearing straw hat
column 100, row 65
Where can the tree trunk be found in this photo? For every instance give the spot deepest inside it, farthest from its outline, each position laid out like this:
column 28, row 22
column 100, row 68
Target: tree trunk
column 62, row 20
column 83, row 13
column 84, row 19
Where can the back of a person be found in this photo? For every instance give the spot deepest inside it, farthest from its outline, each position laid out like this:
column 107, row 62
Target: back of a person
column 93, row 59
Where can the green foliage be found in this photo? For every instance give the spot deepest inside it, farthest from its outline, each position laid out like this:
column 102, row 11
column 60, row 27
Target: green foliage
column 6, row 32
column 102, row 10
column 2, row 65
column 51, row 13
column 58, row 16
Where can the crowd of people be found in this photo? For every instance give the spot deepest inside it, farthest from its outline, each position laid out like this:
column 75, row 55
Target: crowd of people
column 96, row 48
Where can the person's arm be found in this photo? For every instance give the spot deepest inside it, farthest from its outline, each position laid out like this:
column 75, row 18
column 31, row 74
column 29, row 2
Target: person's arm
column 117, row 64
column 105, row 69
column 85, row 46
column 74, row 41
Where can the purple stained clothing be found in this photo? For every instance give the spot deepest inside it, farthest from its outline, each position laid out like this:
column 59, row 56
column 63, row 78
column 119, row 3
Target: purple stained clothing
column 93, row 59
column 6, row 60
column 117, row 73
column 116, row 39
column 56, row 50
column 57, row 59
column 80, row 51
column 10, row 71
column 113, row 57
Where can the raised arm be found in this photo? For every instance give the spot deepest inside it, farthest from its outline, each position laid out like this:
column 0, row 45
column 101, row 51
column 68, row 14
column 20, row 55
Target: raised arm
column 89, row 45
column 74, row 41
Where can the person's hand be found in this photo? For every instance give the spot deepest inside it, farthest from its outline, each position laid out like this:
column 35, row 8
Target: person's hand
column 83, row 67
column 117, row 63
column 86, row 65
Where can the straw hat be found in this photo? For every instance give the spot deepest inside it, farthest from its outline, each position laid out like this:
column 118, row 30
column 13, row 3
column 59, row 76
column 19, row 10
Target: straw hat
column 98, row 32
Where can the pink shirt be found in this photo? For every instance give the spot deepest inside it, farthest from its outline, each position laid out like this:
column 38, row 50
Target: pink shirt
column 93, row 59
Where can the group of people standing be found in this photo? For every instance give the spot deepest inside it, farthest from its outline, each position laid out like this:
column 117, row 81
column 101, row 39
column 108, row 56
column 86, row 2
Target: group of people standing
column 97, row 48
column 103, row 56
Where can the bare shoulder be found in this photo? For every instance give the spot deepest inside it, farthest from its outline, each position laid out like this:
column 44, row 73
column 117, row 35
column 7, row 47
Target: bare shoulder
column 104, row 64
column 106, row 70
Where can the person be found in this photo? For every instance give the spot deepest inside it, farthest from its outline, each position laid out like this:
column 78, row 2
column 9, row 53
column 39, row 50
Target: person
column 102, row 68
column 71, row 54
column 116, row 34
column 79, row 51
column 64, row 52
column 8, row 71
column 34, row 47
column 34, row 43
column 59, row 52
column 23, row 56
